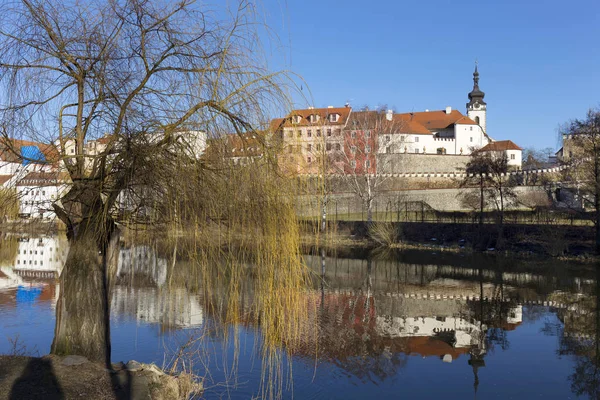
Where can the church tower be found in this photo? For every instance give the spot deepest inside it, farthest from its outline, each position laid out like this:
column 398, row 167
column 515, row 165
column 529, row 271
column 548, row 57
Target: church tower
column 476, row 107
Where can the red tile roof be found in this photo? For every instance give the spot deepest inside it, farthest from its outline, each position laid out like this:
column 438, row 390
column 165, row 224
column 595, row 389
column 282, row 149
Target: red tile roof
column 501, row 145
column 343, row 113
column 436, row 120
column 10, row 150
column 372, row 119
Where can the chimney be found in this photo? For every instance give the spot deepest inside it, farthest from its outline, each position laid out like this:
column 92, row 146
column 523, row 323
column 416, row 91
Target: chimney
column 329, row 106
column 448, row 110
column 389, row 114
column 347, row 105
column 311, row 108
column 427, row 110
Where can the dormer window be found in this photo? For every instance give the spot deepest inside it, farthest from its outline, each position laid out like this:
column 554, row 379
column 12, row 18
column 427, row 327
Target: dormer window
column 333, row 117
column 314, row 118
column 296, row 119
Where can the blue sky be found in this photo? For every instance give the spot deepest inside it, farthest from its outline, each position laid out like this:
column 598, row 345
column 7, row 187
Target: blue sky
column 539, row 60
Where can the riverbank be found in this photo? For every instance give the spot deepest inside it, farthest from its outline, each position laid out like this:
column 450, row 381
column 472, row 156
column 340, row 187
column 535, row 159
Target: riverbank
column 73, row 377
column 562, row 242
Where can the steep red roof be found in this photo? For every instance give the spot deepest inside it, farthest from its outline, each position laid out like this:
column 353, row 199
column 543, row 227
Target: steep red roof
column 413, row 127
column 501, row 145
column 343, row 113
column 436, row 120
column 10, row 150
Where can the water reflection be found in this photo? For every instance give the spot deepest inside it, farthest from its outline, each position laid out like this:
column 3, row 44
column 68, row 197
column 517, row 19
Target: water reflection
column 371, row 320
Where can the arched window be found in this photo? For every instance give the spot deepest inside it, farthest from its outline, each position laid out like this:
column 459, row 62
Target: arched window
column 477, row 120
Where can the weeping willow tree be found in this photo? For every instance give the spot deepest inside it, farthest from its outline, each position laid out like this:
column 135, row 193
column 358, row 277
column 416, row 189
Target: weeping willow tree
column 9, row 204
column 126, row 91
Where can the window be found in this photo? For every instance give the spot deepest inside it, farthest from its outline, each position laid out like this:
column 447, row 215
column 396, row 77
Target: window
column 18, row 261
column 333, row 117
column 368, row 164
column 367, row 149
column 471, row 139
column 43, row 193
column 328, row 146
column 353, row 149
column 338, row 132
column 72, row 151
column 416, row 139
column 328, row 132
column 471, row 128
column 318, row 133
column 338, row 147
column 416, row 151
column 388, row 149
column 308, row 133
column 512, row 156
column 296, row 119
column 402, row 138
column 314, row 118
column 309, row 147
column 353, row 134
column 299, row 133
column 318, row 147
column 368, row 134
column 353, row 164
column 309, row 159
column 387, row 138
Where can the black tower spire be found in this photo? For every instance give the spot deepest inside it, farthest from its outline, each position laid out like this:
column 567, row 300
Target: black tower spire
column 476, row 95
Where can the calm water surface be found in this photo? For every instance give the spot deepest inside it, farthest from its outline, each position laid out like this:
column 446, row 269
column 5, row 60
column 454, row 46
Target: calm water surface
column 397, row 325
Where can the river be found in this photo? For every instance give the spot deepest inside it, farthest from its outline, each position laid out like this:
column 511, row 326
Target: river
column 375, row 324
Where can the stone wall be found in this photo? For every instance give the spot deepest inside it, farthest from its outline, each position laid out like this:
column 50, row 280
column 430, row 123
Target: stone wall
column 420, row 163
column 432, row 199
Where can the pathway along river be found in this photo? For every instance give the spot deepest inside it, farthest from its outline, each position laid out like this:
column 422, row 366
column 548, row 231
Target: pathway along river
column 396, row 325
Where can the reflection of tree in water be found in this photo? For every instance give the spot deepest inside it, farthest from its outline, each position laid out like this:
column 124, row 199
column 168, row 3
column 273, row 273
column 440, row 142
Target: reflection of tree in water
column 579, row 336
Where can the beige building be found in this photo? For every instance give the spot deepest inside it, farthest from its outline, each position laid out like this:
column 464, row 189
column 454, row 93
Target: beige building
column 311, row 136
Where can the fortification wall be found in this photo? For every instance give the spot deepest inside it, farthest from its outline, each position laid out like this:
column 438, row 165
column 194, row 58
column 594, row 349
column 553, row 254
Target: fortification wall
column 439, row 199
column 420, row 163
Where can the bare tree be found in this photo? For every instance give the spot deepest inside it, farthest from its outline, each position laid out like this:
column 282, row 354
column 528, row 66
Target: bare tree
column 365, row 173
column 141, row 75
column 477, row 174
column 582, row 144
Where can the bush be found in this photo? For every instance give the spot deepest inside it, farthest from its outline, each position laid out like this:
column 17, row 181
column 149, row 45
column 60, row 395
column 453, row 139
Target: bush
column 384, row 233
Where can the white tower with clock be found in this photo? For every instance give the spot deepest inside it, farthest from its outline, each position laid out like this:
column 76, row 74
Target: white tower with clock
column 476, row 107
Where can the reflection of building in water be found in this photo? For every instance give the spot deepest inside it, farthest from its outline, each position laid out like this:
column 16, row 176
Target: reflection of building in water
column 142, row 260
column 140, row 293
column 172, row 308
column 42, row 257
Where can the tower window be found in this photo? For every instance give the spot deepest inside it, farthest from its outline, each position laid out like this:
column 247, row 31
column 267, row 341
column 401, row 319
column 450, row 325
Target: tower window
column 477, row 120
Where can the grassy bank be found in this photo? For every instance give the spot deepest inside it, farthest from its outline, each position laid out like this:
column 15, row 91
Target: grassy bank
column 556, row 241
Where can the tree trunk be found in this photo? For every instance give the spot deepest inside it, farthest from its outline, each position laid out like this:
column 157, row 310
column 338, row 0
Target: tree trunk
column 369, row 211
column 82, row 311
column 324, row 214
column 480, row 201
